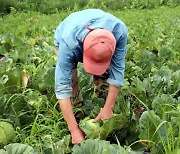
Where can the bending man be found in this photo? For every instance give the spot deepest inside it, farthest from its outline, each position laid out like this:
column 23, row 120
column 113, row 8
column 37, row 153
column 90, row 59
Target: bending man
column 98, row 39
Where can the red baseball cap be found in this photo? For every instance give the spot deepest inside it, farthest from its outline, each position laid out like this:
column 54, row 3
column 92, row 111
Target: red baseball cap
column 99, row 46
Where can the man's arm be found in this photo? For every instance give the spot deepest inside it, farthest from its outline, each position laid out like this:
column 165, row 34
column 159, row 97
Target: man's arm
column 66, row 108
column 76, row 132
column 107, row 110
column 116, row 78
column 63, row 77
column 63, row 95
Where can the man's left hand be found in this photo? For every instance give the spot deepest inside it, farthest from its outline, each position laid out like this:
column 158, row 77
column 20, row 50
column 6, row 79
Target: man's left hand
column 104, row 114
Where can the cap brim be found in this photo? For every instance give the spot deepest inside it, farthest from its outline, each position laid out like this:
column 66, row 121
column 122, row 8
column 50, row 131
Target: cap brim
column 95, row 68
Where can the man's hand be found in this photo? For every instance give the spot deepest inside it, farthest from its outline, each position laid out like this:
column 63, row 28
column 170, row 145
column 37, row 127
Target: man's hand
column 77, row 136
column 107, row 110
column 76, row 133
column 104, row 114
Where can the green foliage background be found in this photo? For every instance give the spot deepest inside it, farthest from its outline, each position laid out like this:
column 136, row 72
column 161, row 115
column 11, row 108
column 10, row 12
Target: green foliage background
column 149, row 102
column 53, row 6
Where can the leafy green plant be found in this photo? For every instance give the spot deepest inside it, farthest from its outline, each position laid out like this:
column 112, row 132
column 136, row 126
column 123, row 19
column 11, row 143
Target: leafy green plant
column 147, row 109
column 17, row 148
column 7, row 133
column 92, row 146
column 6, row 6
column 102, row 131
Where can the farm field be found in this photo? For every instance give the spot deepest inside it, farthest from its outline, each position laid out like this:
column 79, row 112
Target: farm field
column 147, row 112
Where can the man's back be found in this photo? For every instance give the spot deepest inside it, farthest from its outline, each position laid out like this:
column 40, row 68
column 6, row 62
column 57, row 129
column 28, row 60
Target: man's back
column 72, row 30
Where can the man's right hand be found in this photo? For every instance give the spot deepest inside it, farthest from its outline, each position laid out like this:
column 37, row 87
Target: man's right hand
column 77, row 136
column 76, row 133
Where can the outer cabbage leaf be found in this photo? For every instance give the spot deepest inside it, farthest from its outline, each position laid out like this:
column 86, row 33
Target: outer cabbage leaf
column 7, row 133
column 149, row 122
column 17, row 148
column 88, row 130
column 164, row 103
column 93, row 146
column 96, row 146
column 114, row 123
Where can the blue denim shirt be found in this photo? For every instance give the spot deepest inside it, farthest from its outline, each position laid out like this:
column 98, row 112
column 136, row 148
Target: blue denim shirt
column 68, row 38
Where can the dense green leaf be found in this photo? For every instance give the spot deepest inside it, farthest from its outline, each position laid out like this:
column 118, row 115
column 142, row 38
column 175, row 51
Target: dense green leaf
column 92, row 146
column 149, row 123
column 17, row 148
column 95, row 146
column 164, row 104
column 116, row 122
column 7, row 133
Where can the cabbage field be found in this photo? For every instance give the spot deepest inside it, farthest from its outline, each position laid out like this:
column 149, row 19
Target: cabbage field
column 147, row 112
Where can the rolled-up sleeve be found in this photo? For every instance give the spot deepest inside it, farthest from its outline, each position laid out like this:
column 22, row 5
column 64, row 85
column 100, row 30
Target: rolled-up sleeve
column 117, row 66
column 63, row 72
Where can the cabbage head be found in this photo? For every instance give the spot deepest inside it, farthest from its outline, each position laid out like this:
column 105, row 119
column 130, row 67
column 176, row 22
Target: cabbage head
column 7, row 133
